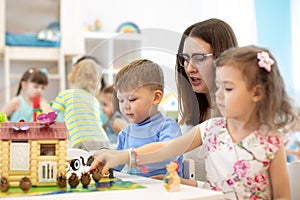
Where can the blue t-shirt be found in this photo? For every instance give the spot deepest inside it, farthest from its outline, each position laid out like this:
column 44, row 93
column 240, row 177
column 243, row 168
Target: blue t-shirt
column 156, row 129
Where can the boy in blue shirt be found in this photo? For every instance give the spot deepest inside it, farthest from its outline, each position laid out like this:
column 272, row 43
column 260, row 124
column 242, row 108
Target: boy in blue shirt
column 139, row 89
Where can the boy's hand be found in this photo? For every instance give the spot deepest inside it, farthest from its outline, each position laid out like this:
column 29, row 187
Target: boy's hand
column 110, row 159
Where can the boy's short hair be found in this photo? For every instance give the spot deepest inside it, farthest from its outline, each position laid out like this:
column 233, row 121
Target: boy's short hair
column 140, row 73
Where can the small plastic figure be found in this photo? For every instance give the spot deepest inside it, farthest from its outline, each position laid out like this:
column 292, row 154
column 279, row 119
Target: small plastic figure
column 85, row 180
column 36, row 107
column 62, row 181
column 3, row 118
column 98, row 25
column 96, row 175
column 4, row 184
column 73, row 180
column 25, row 184
column 172, row 179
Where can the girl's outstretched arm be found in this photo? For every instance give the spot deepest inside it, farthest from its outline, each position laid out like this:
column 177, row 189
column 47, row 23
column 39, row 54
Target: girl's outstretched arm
column 159, row 151
column 154, row 152
column 279, row 176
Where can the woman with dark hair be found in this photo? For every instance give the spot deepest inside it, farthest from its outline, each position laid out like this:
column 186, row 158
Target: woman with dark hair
column 200, row 45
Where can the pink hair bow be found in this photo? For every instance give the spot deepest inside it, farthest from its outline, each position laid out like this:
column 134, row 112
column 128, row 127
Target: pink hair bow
column 265, row 61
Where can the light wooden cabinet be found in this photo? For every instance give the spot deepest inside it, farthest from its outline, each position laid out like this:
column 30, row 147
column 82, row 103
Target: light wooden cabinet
column 32, row 16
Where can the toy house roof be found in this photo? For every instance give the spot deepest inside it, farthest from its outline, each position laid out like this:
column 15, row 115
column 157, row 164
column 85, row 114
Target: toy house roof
column 36, row 131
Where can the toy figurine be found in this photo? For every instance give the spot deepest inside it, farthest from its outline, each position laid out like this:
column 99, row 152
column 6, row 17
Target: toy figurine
column 96, row 174
column 47, row 119
column 98, row 25
column 111, row 173
column 61, row 181
column 85, row 180
column 2, row 118
column 25, row 184
column 4, row 184
column 36, row 107
column 172, row 179
column 73, row 180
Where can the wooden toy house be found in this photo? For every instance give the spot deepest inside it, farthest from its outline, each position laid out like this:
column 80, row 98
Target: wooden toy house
column 39, row 153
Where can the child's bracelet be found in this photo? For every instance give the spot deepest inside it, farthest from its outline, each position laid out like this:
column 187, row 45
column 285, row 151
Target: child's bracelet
column 134, row 165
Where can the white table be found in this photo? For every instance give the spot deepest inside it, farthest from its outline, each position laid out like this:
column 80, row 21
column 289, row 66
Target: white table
column 154, row 191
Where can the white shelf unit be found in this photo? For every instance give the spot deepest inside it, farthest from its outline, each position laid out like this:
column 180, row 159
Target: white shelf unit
column 113, row 50
column 32, row 16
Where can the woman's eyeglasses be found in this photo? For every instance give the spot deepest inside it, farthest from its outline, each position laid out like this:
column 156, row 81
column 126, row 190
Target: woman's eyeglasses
column 197, row 59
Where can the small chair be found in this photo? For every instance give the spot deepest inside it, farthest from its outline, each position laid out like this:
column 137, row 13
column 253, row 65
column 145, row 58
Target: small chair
column 294, row 174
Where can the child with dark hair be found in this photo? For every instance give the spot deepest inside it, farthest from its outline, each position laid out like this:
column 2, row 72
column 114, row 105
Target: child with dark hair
column 32, row 84
column 116, row 121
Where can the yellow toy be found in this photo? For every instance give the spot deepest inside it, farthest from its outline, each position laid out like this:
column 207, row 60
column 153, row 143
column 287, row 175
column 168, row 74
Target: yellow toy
column 172, row 179
column 2, row 118
column 32, row 150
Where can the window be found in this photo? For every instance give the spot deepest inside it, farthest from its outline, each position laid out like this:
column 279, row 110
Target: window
column 47, row 150
column 47, row 171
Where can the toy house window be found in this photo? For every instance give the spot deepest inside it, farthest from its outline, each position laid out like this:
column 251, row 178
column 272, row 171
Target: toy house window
column 47, row 150
column 47, row 171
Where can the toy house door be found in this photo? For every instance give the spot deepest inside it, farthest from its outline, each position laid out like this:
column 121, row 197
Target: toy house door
column 19, row 156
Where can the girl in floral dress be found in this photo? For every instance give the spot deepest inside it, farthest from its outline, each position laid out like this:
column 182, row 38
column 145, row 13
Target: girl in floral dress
column 244, row 151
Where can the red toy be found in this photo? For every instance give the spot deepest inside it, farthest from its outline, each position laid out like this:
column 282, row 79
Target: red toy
column 36, row 107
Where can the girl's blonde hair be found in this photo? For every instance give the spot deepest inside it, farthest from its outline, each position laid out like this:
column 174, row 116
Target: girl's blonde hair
column 275, row 107
column 85, row 75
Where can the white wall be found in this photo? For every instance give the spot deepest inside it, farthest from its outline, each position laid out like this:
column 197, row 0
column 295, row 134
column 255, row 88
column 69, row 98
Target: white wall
column 295, row 21
column 162, row 23
column 174, row 15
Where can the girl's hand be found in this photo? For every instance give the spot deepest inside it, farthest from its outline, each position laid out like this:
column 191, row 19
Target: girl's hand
column 110, row 159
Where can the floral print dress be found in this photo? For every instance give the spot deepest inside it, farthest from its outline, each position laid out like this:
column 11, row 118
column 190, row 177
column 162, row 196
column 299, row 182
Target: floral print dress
column 239, row 170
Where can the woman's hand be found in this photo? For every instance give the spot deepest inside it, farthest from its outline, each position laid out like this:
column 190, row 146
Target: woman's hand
column 110, row 159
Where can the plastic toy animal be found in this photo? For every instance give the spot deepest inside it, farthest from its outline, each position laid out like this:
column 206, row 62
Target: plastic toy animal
column 172, row 179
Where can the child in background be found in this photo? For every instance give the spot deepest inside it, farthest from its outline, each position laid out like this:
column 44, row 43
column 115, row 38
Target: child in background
column 139, row 89
column 293, row 146
column 32, row 84
column 116, row 121
column 103, row 85
column 81, row 109
column 244, row 152
column 293, row 141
